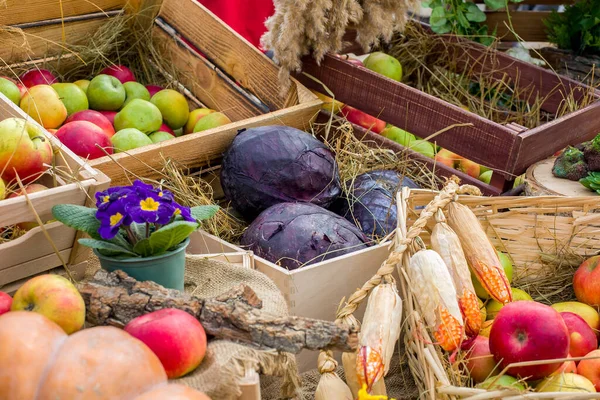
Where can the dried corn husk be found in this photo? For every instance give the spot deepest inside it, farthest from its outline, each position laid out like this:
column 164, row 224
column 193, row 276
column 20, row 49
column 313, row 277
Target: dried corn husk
column 479, row 252
column 434, row 290
column 331, row 386
column 349, row 364
column 445, row 242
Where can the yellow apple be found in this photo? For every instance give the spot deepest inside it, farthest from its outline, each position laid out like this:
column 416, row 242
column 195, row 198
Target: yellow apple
column 566, row 383
column 588, row 313
column 43, row 104
column 493, row 307
column 486, row 327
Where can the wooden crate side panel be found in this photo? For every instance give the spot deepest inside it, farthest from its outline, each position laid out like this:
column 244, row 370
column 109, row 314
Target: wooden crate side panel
column 41, row 41
column 34, row 245
column 545, row 140
column 529, row 25
column 14, row 12
column 77, row 272
column 228, row 50
column 204, row 81
column 485, row 142
column 33, row 267
column 196, row 149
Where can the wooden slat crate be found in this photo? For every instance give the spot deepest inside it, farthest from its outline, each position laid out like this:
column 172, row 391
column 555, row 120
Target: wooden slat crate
column 218, row 69
column 33, row 253
column 507, row 149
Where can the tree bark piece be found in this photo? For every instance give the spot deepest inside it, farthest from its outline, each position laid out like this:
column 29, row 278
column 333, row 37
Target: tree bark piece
column 114, row 298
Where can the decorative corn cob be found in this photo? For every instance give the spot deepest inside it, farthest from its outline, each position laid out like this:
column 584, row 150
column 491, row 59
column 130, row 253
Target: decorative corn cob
column 330, row 386
column 436, row 295
column 445, row 242
column 479, row 252
column 379, row 333
column 349, row 363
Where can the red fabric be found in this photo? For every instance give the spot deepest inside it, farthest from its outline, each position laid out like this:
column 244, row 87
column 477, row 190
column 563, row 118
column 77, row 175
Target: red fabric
column 246, row 17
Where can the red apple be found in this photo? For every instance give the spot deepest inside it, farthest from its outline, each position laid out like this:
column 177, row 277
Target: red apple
column 110, row 116
column 177, row 338
column 529, row 331
column 363, row 119
column 121, row 72
column 95, row 118
column 165, row 128
column 153, row 89
column 35, row 77
column 586, row 282
column 5, row 303
column 448, row 158
column 469, row 167
column 479, row 360
column 591, row 368
column 582, row 337
column 85, row 139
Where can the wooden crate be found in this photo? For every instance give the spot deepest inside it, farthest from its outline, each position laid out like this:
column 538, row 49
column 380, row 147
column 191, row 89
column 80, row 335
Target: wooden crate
column 507, row 149
column 229, row 74
column 33, row 253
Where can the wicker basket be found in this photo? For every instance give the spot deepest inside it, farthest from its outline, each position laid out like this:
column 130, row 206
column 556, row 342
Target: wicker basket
column 546, row 237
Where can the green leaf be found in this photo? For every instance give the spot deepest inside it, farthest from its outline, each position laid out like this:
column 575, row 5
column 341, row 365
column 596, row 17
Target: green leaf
column 143, row 248
column 474, row 14
column 171, row 235
column 426, row 3
column 106, row 246
column 77, row 217
column 440, row 30
column 438, row 17
column 139, row 230
column 495, row 4
column 462, row 20
column 201, row 213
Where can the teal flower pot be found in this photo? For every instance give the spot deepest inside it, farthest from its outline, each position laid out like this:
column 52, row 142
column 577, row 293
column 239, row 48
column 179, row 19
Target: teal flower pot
column 167, row 269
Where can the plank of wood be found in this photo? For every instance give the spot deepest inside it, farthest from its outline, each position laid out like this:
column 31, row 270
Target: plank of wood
column 77, row 272
column 214, row 89
column 33, row 267
column 228, row 50
column 529, row 25
column 14, row 12
column 37, row 42
column 196, row 149
column 485, row 142
column 542, row 142
column 34, row 245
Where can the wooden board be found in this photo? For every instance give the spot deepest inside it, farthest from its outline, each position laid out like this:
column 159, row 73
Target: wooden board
column 14, row 12
column 543, row 183
column 529, row 25
column 228, row 50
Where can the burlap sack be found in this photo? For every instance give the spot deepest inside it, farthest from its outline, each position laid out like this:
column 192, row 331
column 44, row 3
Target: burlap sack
column 225, row 363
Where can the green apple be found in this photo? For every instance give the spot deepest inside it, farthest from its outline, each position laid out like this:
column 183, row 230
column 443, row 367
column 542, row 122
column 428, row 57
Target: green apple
column 135, row 90
column 493, row 307
column 398, row 135
column 173, row 106
column 72, row 96
column 483, row 169
column 423, row 147
column 486, row 177
column 160, row 136
column 139, row 114
column 128, row 139
column 519, row 181
column 505, row 381
column 106, row 93
column 210, row 121
column 83, row 84
column 385, row 65
column 178, row 132
column 508, row 270
column 10, row 90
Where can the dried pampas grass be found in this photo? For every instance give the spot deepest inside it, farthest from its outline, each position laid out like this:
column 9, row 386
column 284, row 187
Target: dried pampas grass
column 300, row 27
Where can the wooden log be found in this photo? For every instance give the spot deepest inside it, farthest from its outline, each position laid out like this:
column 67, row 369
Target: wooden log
column 114, row 298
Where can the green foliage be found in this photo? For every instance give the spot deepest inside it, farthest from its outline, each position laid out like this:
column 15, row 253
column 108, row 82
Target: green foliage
column 463, row 18
column 577, row 28
column 592, row 181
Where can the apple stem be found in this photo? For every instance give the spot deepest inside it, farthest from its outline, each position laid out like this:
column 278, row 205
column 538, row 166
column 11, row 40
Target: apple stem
column 43, row 139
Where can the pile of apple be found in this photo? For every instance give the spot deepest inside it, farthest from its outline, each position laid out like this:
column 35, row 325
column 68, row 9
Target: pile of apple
column 528, row 331
column 177, row 338
column 108, row 114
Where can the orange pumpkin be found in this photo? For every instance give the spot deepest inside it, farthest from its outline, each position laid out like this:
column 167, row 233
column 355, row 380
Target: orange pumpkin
column 102, row 363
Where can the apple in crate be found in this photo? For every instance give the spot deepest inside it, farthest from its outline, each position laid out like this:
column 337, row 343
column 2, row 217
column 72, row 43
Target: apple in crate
column 110, row 115
column 83, row 84
column 363, row 119
column 173, row 106
column 85, row 139
column 176, row 337
column 211, row 121
column 129, row 139
column 36, row 76
column 5, row 302
column 529, row 331
column 479, row 361
column 567, row 382
column 469, row 167
column 447, row 158
column 165, row 128
column 590, row 368
column 43, row 104
column 153, row 89
column 96, row 118
column 72, row 96
column 10, row 89
column 588, row 313
column 398, row 135
column 160, row 136
column 566, row 367
column 385, row 65
column 106, row 93
column 139, row 114
column 135, row 90
column 24, row 150
column 586, row 282
column 121, row 72
column 194, row 117
column 54, row 297
column 582, row 337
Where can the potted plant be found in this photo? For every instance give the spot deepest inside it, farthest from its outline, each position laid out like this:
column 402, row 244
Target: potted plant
column 139, row 229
